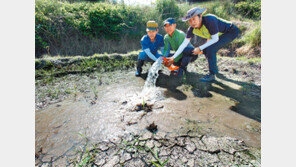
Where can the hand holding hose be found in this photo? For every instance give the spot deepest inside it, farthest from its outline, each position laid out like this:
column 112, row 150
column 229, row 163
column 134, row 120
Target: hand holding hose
column 197, row 51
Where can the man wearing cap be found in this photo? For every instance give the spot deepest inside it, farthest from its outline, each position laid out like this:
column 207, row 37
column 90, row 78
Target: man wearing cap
column 173, row 40
column 218, row 32
column 151, row 43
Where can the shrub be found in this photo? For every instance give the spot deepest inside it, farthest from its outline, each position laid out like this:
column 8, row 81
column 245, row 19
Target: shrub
column 254, row 37
column 78, row 27
column 167, row 8
column 249, row 8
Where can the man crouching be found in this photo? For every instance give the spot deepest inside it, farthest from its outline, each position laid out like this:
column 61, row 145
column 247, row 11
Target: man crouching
column 151, row 43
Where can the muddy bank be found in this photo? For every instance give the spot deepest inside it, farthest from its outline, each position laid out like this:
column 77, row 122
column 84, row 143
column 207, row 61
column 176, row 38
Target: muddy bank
column 100, row 107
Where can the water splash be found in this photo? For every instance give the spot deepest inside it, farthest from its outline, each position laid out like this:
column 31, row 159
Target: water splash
column 153, row 74
column 150, row 92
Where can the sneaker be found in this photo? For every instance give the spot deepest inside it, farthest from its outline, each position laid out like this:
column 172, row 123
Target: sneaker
column 208, row 78
column 138, row 72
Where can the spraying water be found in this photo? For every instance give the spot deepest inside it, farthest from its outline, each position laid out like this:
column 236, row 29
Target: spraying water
column 153, row 74
column 150, row 92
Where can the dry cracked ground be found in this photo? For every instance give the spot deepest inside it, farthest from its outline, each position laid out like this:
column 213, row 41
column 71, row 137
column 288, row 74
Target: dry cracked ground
column 93, row 119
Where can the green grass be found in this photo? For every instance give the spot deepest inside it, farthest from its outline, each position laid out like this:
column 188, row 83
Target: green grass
column 47, row 68
column 249, row 60
column 69, row 29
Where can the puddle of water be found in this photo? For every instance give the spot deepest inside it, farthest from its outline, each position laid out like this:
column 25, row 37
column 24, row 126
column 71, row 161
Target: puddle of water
column 58, row 126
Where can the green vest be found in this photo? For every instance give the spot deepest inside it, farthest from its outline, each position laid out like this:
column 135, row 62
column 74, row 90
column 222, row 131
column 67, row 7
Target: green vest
column 174, row 42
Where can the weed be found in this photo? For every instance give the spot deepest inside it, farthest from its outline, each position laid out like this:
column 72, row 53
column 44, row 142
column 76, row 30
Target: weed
column 157, row 163
column 136, row 146
column 95, row 91
column 75, row 91
column 86, row 155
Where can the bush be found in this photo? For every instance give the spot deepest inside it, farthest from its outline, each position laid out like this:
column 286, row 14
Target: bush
column 251, row 38
column 167, row 8
column 77, row 27
column 254, row 36
column 249, row 8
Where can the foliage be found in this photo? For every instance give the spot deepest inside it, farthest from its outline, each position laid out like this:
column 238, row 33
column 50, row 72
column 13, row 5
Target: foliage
column 249, row 8
column 78, row 27
column 167, row 8
column 254, row 36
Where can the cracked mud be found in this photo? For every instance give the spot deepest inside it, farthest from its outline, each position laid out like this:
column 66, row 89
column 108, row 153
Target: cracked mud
column 89, row 120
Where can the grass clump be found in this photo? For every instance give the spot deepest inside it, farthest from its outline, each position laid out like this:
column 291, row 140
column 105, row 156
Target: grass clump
column 253, row 37
column 55, row 67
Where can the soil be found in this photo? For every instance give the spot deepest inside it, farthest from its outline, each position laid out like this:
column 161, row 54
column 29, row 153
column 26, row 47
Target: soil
column 193, row 123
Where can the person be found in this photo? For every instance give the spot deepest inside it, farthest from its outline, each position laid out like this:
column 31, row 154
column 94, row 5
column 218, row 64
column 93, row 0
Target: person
column 151, row 43
column 173, row 40
column 219, row 32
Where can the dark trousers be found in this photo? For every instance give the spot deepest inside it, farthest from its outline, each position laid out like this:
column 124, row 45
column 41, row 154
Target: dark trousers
column 211, row 51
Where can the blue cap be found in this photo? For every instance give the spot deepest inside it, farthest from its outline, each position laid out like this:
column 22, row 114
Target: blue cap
column 169, row 21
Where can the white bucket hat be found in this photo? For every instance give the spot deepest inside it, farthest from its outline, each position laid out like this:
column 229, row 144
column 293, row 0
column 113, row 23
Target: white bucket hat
column 192, row 12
